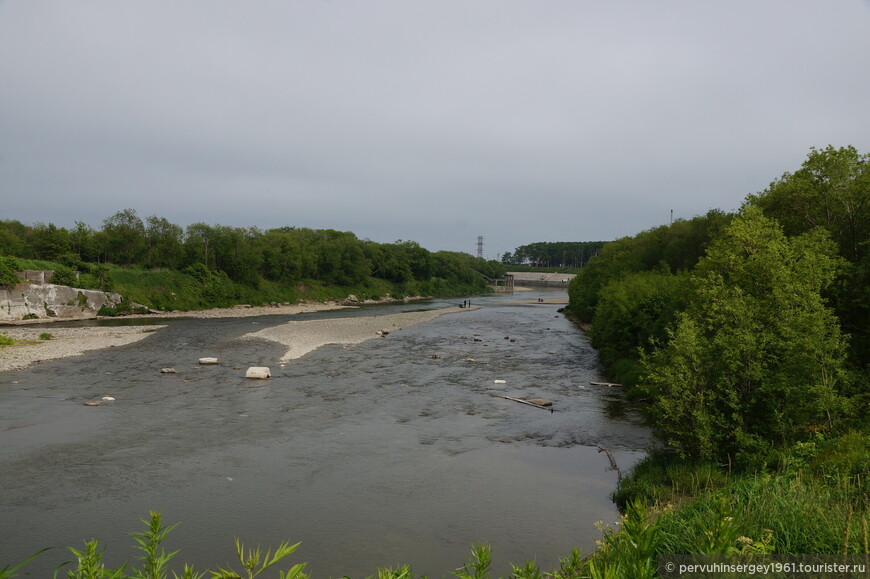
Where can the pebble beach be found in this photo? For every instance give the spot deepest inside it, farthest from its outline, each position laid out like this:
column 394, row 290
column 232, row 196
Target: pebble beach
column 29, row 349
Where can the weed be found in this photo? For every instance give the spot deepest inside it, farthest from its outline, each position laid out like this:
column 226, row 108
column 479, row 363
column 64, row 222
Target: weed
column 7, row 571
column 478, row 565
column 251, row 559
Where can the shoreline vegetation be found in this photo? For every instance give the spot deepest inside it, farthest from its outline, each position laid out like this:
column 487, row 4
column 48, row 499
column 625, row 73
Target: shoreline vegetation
column 745, row 339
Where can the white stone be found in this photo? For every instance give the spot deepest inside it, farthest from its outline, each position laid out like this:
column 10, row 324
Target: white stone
column 260, row 372
column 208, row 360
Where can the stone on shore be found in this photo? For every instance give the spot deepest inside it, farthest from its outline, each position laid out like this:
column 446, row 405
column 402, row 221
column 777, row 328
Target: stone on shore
column 206, row 361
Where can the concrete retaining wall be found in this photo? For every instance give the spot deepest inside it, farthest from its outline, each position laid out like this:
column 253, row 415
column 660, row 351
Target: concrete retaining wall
column 52, row 301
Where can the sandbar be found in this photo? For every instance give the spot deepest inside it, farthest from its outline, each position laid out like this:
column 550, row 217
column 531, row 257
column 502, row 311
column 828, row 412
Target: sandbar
column 301, row 337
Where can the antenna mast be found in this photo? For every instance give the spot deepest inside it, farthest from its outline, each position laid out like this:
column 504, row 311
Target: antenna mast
column 480, row 246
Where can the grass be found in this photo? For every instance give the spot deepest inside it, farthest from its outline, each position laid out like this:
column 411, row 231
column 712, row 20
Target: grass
column 811, row 499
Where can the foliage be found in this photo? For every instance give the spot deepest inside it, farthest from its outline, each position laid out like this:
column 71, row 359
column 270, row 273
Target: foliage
column 123, row 237
column 667, row 248
column 45, row 336
column 6, row 339
column 8, row 267
column 479, row 563
column 794, row 510
column 757, row 357
column 206, row 266
column 832, row 190
column 254, row 563
column 8, row 571
column 557, row 253
column 124, row 307
column 634, row 312
column 796, row 507
column 65, row 276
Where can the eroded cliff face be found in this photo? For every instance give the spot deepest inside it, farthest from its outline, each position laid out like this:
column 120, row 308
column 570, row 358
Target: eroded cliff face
column 24, row 301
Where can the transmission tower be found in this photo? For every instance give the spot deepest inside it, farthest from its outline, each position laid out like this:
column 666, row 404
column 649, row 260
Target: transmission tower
column 480, row 246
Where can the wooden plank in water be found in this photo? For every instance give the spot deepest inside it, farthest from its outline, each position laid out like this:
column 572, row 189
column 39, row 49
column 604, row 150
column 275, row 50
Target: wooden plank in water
column 521, row 401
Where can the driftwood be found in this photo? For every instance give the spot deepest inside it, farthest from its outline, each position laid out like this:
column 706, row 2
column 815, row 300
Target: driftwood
column 613, row 465
column 608, row 384
column 521, row 401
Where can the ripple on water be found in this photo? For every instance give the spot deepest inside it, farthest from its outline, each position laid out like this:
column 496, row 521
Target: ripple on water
column 370, row 455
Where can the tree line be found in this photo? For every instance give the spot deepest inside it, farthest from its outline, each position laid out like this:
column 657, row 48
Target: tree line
column 553, row 253
column 285, row 256
column 744, row 331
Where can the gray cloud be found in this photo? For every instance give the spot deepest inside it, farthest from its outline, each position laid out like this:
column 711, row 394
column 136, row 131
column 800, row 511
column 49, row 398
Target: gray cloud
column 431, row 121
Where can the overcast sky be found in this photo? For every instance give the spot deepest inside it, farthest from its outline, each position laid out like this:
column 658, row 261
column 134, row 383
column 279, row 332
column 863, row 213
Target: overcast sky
column 433, row 121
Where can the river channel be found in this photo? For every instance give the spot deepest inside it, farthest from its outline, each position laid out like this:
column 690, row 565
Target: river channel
column 395, row 450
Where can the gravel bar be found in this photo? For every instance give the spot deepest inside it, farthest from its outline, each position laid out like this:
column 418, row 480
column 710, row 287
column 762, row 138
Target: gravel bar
column 65, row 342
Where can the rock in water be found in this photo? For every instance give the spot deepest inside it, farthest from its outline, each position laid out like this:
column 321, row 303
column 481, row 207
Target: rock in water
column 260, row 372
column 541, row 402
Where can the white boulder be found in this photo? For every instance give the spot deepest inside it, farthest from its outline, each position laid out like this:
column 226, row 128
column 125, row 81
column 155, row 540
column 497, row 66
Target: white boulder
column 260, row 372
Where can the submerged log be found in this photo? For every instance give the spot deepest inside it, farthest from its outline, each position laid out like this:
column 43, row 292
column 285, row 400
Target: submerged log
column 521, row 401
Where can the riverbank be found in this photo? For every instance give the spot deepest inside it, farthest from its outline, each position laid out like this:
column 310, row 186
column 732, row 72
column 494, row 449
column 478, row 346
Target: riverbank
column 29, row 349
column 301, row 337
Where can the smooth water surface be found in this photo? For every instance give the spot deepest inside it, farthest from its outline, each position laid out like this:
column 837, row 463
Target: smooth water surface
column 374, row 454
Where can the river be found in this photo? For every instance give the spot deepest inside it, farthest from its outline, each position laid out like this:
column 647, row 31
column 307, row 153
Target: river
column 395, row 450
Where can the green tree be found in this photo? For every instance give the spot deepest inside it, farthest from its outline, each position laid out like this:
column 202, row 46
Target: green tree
column 281, row 256
column 197, row 239
column 832, row 190
column 49, row 241
column 757, row 357
column 632, row 313
column 667, row 248
column 164, row 241
column 13, row 238
column 124, row 238
column 84, row 242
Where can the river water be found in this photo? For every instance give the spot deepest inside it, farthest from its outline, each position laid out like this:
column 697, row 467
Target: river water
column 371, row 455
